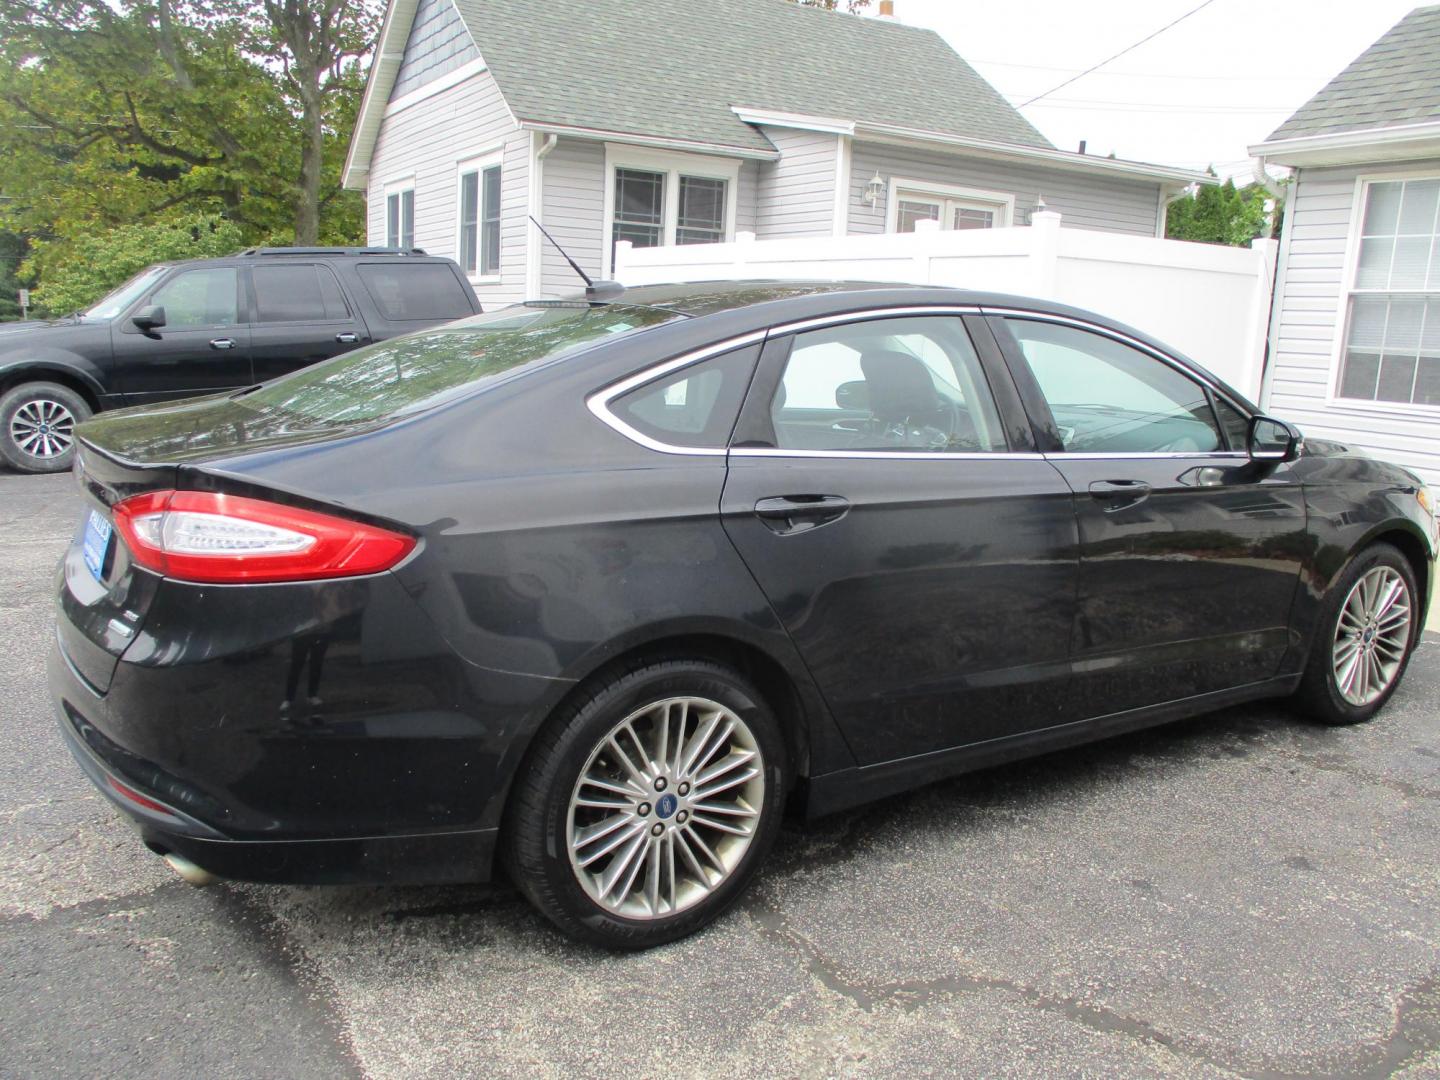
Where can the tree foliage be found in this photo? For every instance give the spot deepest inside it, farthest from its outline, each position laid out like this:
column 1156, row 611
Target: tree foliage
column 1219, row 214
column 117, row 113
column 831, row 5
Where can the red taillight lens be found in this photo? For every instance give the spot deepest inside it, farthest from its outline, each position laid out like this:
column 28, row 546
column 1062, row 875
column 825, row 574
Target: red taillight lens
column 202, row 536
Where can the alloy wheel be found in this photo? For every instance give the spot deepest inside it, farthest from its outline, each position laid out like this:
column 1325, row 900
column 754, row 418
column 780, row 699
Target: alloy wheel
column 43, row 428
column 1371, row 636
column 666, row 807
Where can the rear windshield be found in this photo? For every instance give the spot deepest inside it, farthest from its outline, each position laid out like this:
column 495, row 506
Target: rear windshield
column 405, row 375
column 410, row 292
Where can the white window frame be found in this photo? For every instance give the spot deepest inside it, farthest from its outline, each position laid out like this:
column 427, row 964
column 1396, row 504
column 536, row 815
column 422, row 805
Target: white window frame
column 490, row 158
column 398, row 186
column 674, row 165
column 949, row 196
column 1353, row 238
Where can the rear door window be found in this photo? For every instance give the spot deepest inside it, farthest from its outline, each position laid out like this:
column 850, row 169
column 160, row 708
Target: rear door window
column 297, row 293
column 415, row 292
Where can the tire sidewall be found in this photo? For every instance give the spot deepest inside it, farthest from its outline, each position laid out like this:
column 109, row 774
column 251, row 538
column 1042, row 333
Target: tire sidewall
column 12, row 402
column 1332, row 706
column 592, row 723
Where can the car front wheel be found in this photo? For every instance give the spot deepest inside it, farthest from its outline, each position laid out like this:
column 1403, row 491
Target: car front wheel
column 37, row 426
column 1369, row 624
column 646, row 806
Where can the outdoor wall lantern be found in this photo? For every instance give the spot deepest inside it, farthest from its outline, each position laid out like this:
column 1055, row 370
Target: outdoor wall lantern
column 1039, row 209
column 875, row 190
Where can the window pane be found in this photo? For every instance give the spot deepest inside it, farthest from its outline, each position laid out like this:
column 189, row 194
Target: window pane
column 415, row 291
column 1358, row 378
column 639, row 196
column 469, row 219
column 695, row 406
column 200, row 298
column 1374, row 269
column 912, row 210
column 702, row 211
column 1427, row 381
column 1417, row 208
column 886, row 384
column 1110, row 398
column 639, row 235
column 288, row 294
column 1382, row 209
column 1412, row 258
column 971, row 218
column 490, row 224
column 407, row 219
column 336, row 306
column 392, row 221
column 1390, row 349
column 1397, row 377
column 1237, row 427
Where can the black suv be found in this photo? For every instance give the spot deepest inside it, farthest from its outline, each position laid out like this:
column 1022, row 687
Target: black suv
column 210, row 325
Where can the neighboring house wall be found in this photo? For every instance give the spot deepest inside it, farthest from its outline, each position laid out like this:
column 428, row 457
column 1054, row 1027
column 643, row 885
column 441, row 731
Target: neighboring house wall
column 796, row 194
column 1319, row 249
column 1110, row 204
column 439, row 43
column 423, row 143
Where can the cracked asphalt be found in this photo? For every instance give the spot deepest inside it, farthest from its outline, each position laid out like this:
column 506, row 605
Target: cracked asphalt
column 1236, row 895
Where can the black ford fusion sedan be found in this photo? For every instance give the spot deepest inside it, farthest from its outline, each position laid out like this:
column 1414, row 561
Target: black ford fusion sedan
column 596, row 589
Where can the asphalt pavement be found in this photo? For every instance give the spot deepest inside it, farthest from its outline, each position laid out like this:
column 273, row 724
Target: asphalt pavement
column 1237, row 895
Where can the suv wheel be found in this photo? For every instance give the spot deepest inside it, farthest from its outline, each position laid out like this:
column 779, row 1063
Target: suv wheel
column 647, row 806
column 37, row 426
column 1367, row 629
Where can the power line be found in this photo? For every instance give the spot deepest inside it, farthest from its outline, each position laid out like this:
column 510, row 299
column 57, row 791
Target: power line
column 1164, row 107
column 1154, row 74
column 1122, row 52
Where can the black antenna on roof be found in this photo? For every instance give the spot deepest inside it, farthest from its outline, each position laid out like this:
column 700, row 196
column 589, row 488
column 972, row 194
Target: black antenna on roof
column 603, row 290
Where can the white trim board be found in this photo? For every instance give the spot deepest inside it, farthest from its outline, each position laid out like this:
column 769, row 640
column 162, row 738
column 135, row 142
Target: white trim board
column 434, row 86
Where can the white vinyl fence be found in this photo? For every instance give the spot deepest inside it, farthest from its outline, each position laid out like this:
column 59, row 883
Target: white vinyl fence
column 1209, row 302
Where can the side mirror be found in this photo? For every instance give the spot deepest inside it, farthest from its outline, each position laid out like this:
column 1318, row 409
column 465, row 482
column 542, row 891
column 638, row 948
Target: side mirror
column 853, row 395
column 1273, row 440
column 149, row 318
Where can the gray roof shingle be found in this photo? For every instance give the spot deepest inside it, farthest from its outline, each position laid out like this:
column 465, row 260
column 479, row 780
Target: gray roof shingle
column 1396, row 81
column 674, row 69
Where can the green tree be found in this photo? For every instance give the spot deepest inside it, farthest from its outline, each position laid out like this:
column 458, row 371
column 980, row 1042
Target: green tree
column 12, row 253
column 831, row 5
column 1219, row 214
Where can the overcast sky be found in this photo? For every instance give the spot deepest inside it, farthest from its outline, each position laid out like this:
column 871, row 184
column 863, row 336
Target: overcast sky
column 1201, row 92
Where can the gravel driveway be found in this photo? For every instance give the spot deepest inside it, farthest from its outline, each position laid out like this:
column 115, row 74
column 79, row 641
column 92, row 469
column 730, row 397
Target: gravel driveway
column 1235, row 895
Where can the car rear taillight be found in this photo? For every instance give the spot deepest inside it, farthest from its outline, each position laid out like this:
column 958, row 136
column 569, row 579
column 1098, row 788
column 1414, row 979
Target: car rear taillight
column 207, row 537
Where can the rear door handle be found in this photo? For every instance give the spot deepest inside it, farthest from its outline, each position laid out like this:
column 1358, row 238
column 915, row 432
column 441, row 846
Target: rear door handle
column 1117, row 494
column 347, row 337
column 222, row 343
column 788, row 514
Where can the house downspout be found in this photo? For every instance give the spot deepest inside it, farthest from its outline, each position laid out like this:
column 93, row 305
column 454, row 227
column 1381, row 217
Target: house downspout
column 1277, row 293
column 540, row 147
column 1162, row 213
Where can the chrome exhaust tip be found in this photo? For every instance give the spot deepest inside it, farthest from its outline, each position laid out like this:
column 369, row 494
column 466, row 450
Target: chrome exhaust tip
column 193, row 874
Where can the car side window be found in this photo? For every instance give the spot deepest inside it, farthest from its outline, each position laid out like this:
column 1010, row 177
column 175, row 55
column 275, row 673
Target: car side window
column 415, row 292
column 1110, row 398
column 695, row 406
column 303, row 293
column 1235, row 423
column 912, row 384
column 206, row 297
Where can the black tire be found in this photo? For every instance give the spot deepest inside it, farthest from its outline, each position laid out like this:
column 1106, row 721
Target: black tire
column 1319, row 697
column 535, row 845
column 42, row 400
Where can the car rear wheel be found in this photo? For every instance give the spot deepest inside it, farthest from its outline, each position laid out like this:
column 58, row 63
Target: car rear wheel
column 1369, row 624
column 37, row 426
column 646, row 806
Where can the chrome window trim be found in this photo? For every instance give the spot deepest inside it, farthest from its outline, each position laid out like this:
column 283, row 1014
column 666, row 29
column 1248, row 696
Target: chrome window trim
column 882, row 455
column 1130, row 455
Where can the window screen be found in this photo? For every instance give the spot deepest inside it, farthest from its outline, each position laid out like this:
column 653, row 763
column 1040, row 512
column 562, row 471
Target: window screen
column 297, row 294
column 408, row 291
column 886, row 384
column 695, row 406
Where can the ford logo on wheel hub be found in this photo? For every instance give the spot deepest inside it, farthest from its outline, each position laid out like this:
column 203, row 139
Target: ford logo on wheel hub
column 666, row 805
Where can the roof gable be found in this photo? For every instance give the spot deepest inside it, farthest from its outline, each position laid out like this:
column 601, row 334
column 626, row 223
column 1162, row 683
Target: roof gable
column 675, row 70
column 1393, row 83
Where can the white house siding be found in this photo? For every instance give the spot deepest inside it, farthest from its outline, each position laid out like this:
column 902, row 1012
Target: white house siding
column 795, row 195
column 438, row 44
column 1087, row 201
column 1310, row 318
column 426, row 141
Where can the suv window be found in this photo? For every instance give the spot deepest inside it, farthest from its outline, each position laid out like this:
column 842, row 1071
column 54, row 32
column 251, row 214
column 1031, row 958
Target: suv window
column 886, row 384
column 291, row 293
column 200, row 297
column 1108, row 397
column 407, row 291
column 695, row 406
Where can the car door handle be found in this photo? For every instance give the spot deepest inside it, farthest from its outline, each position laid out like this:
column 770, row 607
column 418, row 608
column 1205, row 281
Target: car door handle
column 788, row 514
column 1117, row 494
column 222, row 343
column 347, row 337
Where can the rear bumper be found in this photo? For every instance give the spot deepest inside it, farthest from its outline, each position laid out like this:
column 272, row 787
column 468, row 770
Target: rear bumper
column 426, row 858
